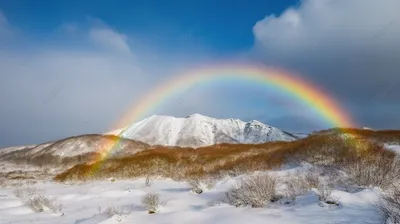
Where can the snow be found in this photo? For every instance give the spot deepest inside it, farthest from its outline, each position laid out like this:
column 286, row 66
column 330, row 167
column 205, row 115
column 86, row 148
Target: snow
column 192, row 131
column 86, row 203
column 71, row 147
column 115, row 131
column 394, row 148
column 198, row 130
column 300, row 135
column 13, row 149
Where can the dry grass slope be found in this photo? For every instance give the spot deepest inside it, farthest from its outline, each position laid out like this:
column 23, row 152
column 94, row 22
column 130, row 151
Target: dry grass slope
column 350, row 152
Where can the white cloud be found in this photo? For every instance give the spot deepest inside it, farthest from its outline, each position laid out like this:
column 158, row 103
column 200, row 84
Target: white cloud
column 110, row 40
column 350, row 48
column 68, row 92
column 54, row 93
column 61, row 88
column 323, row 23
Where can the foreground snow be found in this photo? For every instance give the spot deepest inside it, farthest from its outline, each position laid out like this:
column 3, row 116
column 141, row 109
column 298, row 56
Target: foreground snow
column 87, row 204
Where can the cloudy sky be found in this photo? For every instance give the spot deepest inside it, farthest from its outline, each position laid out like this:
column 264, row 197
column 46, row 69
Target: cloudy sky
column 75, row 67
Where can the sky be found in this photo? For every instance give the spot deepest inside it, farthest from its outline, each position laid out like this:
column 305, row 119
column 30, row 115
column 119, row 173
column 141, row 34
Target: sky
column 75, row 67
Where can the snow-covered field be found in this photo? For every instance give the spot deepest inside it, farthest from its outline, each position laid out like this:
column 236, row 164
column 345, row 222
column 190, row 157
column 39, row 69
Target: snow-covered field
column 88, row 203
column 394, row 148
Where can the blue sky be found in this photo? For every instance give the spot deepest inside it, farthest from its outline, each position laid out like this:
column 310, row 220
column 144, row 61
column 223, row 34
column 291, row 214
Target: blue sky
column 75, row 67
column 213, row 24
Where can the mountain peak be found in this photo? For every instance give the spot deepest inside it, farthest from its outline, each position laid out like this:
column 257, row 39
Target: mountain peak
column 197, row 130
column 196, row 115
column 255, row 122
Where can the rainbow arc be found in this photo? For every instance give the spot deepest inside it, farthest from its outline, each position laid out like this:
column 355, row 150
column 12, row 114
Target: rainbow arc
column 292, row 86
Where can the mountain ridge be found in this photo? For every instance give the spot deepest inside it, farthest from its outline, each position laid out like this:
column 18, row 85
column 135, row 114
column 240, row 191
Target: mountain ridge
column 192, row 131
column 198, row 130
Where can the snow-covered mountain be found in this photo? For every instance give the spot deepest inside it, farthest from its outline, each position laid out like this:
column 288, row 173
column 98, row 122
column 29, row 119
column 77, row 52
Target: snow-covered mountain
column 192, row 131
column 198, row 130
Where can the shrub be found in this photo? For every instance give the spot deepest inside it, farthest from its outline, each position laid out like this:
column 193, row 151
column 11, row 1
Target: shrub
column 389, row 205
column 312, row 179
column 184, row 163
column 348, row 150
column 151, row 201
column 324, row 192
column 118, row 213
column 23, row 192
column 18, row 192
column 325, row 197
column 198, row 185
column 147, row 182
column 111, row 211
column 255, row 191
column 380, row 170
column 301, row 182
column 296, row 185
column 236, row 171
column 39, row 203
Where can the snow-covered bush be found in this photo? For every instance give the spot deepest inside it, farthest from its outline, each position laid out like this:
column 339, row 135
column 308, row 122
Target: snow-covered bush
column 151, row 201
column 236, row 171
column 40, row 203
column 25, row 191
column 147, row 182
column 198, row 185
column 296, row 186
column 35, row 200
column 111, row 211
column 18, row 192
column 324, row 192
column 99, row 210
column 117, row 212
column 300, row 183
column 389, row 205
column 373, row 170
column 325, row 197
column 255, row 191
column 312, row 179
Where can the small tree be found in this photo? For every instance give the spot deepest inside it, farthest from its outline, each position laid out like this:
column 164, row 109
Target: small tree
column 389, row 205
column 118, row 213
column 38, row 203
column 198, row 185
column 151, row 201
column 255, row 191
column 325, row 196
column 148, row 180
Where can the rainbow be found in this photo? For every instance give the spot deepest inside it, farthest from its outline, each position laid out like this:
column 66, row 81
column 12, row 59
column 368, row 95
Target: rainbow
column 298, row 89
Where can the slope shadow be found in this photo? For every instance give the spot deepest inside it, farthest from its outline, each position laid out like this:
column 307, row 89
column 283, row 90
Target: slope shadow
column 180, row 189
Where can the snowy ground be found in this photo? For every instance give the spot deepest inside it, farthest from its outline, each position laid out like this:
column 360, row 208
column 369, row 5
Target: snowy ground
column 87, row 204
column 394, row 148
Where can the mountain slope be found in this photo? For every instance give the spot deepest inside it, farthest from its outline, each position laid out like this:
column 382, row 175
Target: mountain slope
column 197, row 130
column 193, row 131
column 72, row 150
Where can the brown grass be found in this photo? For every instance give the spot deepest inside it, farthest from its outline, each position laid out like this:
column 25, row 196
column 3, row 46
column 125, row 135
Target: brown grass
column 343, row 152
column 382, row 136
column 185, row 162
